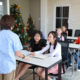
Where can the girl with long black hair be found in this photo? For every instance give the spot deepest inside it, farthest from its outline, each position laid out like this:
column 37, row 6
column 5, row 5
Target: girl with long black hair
column 54, row 51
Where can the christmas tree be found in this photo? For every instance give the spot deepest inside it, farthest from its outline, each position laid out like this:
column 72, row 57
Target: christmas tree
column 30, row 28
column 19, row 27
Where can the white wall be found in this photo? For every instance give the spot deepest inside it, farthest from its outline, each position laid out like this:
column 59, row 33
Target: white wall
column 74, row 15
column 24, row 8
column 44, row 19
column 35, row 12
column 33, row 7
column 29, row 7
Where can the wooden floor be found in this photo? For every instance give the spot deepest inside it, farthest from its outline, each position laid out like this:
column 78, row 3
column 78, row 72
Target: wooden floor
column 67, row 76
column 29, row 76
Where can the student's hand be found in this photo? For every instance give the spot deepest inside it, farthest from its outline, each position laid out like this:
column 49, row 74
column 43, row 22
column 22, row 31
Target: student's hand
column 27, row 58
column 33, row 54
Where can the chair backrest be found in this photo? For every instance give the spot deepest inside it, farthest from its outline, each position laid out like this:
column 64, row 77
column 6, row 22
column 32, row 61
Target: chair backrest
column 64, row 48
column 70, row 31
column 77, row 33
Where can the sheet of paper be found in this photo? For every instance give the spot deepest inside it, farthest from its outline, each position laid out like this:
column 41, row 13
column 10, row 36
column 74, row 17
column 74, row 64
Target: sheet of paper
column 25, row 52
column 40, row 56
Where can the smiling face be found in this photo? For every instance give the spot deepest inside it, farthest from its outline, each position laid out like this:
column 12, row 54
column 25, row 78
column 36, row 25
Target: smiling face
column 37, row 37
column 51, row 38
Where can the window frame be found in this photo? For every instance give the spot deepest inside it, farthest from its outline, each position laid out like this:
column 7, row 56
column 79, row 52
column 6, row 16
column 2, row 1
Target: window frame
column 62, row 14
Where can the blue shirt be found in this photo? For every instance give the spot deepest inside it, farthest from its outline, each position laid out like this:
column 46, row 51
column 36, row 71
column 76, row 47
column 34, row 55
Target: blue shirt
column 9, row 44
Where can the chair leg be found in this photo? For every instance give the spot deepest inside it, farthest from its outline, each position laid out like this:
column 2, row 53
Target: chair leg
column 63, row 69
column 39, row 77
column 33, row 73
column 59, row 69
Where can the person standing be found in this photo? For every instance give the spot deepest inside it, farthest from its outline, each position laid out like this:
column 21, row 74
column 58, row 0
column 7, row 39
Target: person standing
column 10, row 47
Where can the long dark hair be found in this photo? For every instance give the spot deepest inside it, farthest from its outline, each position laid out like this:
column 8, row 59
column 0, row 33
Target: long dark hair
column 36, row 32
column 55, row 36
column 33, row 42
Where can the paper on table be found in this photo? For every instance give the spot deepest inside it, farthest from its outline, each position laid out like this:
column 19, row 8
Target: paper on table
column 40, row 56
column 25, row 52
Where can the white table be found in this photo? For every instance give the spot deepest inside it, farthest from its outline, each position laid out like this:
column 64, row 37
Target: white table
column 44, row 63
column 74, row 38
column 74, row 46
column 71, row 39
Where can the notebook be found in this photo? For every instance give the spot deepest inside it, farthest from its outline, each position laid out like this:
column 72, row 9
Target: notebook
column 40, row 56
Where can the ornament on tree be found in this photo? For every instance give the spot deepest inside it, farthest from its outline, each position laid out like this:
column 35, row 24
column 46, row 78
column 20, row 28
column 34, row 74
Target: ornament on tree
column 19, row 27
column 18, row 7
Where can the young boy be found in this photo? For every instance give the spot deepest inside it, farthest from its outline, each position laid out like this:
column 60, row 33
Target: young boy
column 10, row 46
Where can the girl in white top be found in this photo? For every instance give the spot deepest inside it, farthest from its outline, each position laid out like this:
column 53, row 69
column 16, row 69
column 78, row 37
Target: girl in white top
column 54, row 51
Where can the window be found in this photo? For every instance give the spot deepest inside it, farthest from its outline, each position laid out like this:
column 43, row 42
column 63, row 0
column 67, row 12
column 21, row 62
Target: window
column 62, row 16
column 4, row 7
column 1, row 9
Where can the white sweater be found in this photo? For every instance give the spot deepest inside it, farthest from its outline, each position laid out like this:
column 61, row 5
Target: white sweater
column 53, row 52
